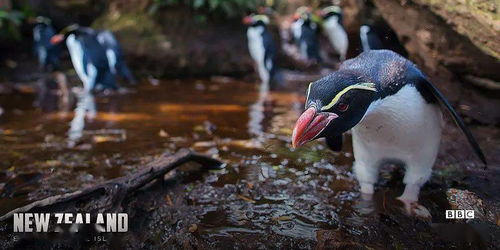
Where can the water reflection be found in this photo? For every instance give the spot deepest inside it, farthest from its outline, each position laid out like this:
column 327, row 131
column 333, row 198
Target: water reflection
column 256, row 112
column 85, row 107
column 53, row 93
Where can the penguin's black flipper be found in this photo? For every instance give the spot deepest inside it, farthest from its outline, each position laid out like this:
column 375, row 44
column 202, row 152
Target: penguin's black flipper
column 460, row 123
column 334, row 143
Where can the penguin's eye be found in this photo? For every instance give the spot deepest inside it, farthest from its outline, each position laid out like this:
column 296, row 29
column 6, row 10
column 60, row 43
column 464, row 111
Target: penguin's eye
column 342, row 107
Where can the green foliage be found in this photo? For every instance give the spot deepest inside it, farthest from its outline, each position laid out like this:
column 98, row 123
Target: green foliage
column 11, row 20
column 9, row 24
column 227, row 8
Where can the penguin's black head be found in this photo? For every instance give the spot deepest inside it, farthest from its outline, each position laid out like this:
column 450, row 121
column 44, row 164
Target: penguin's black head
column 41, row 20
column 256, row 20
column 56, row 39
column 304, row 13
column 334, row 104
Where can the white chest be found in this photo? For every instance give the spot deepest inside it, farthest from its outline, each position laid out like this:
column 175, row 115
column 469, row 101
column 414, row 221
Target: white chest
column 256, row 43
column 401, row 126
column 337, row 35
column 333, row 28
column 297, row 29
column 258, row 52
column 76, row 54
column 363, row 33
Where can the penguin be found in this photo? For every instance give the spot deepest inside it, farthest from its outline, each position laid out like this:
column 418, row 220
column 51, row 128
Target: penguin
column 262, row 49
column 88, row 57
column 304, row 31
column 369, row 38
column 47, row 53
column 393, row 112
column 334, row 30
column 114, row 55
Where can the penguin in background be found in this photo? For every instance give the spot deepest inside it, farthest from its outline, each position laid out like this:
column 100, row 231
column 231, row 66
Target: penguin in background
column 88, row 57
column 394, row 114
column 304, row 31
column 369, row 38
column 46, row 52
column 114, row 55
column 334, row 30
column 263, row 51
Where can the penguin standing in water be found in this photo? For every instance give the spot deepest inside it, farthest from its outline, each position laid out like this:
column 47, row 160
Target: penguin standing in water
column 394, row 113
column 114, row 55
column 262, row 48
column 369, row 38
column 304, row 31
column 88, row 57
column 334, row 30
column 47, row 53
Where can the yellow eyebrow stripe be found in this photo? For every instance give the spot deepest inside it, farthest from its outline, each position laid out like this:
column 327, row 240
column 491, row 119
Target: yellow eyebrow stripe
column 262, row 18
column 365, row 85
column 308, row 91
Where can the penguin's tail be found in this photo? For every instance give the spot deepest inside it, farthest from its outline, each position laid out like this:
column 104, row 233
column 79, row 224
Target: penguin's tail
column 107, row 81
column 456, row 118
column 124, row 71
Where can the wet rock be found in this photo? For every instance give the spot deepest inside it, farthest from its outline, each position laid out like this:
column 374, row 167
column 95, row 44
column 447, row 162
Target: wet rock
column 467, row 200
column 336, row 239
column 21, row 184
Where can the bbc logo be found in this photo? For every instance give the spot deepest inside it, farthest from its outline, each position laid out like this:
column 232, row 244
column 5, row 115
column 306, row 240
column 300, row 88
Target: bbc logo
column 459, row 214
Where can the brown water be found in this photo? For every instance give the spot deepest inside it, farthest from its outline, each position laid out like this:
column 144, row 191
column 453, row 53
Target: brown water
column 100, row 137
column 267, row 195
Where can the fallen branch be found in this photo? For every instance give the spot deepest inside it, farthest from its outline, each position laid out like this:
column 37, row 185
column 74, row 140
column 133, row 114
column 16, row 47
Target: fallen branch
column 108, row 196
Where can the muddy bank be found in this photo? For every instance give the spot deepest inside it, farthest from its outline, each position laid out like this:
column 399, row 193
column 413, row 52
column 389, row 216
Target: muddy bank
column 174, row 43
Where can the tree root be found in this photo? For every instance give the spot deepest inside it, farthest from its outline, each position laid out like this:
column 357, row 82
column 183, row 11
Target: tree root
column 108, row 196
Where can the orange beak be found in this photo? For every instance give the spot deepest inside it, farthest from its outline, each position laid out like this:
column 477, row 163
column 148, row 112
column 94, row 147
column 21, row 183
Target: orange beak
column 309, row 125
column 56, row 39
column 247, row 20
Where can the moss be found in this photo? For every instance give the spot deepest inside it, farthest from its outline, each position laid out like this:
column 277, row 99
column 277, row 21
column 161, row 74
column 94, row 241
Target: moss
column 137, row 31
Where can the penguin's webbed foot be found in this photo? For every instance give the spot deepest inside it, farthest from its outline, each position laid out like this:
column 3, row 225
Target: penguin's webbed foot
column 413, row 208
column 366, row 189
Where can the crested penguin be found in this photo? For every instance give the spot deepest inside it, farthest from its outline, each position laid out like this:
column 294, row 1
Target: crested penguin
column 114, row 55
column 394, row 114
column 262, row 49
column 369, row 38
column 88, row 57
column 47, row 53
column 334, row 30
column 304, row 31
